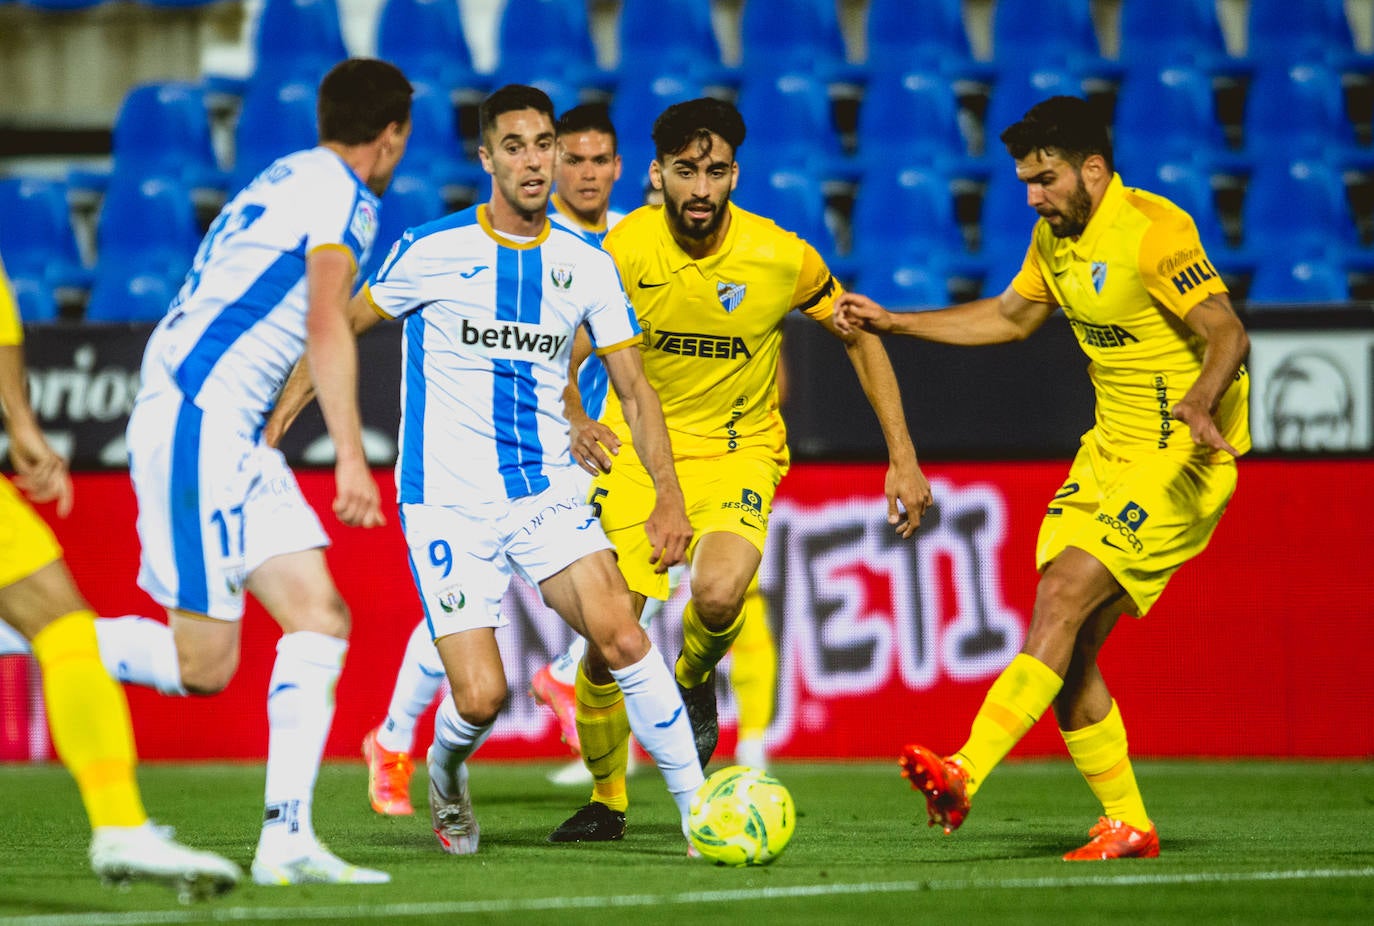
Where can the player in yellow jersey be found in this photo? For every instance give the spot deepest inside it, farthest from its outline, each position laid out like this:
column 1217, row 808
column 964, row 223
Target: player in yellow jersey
column 711, row 285
column 87, row 711
column 1152, row 477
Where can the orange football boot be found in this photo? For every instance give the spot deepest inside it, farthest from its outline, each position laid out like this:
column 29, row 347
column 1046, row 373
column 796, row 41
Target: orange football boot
column 562, row 700
column 1114, row 839
column 944, row 782
column 388, row 777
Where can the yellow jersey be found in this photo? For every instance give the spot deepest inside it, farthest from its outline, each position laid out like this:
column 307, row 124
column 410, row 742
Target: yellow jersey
column 713, row 327
column 1126, row 285
column 11, row 331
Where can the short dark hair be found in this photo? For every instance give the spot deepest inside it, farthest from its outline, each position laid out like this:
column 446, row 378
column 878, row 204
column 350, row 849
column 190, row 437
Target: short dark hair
column 589, row 117
column 696, row 120
column 1069, row 126
column 508, row 99
column 359, row 98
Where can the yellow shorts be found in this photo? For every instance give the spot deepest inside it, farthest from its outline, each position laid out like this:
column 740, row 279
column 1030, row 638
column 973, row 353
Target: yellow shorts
column 732, row 494
column 27, row 543
column 1141, row 519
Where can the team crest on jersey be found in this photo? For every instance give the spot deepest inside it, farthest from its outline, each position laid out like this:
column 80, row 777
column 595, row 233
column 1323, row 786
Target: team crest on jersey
column 561, row 275
column 730, row 295
column 1099, row 272
column 452, row 599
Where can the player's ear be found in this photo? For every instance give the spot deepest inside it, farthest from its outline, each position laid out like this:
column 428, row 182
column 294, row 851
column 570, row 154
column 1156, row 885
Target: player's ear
column 655, row 174
column 484, row 156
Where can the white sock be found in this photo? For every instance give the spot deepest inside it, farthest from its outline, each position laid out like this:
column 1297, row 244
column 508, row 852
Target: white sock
column 564, row 666
column 455, row 740
column 140, row 651
column 651, row 699
column 417, row 682
column 300, row 710
column 14, row 643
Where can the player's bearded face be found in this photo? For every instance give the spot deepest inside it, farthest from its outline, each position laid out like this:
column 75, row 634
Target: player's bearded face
column 1055, row 190
column 1071, row 216
column 697, row 182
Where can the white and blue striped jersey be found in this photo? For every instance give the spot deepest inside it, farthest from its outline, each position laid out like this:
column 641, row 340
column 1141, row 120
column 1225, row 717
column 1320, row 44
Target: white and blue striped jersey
column 237, row 326
column 488, row 333
column 592, row 379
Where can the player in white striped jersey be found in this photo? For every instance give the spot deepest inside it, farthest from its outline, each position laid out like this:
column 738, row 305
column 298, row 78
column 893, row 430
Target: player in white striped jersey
column 219, row 512
column 487, row 489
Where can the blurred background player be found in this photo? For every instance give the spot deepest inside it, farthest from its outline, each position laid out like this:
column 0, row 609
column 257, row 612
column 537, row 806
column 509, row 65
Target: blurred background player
column 712, row 284
column 87, row 711
column 485, row 480
column 1143, row 495
column 220, row 514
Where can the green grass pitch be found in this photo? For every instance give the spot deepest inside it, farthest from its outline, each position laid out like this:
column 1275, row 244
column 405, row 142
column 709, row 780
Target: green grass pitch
column 1243, row 842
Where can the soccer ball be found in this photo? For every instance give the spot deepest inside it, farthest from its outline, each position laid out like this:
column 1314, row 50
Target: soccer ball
column 741, row 816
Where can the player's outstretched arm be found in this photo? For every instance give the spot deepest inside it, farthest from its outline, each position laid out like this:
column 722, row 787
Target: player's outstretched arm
column 39, row 471
column 331, row 351
column 1215, row 322
column 907, row 489
column 668, row 528
column 992, row 320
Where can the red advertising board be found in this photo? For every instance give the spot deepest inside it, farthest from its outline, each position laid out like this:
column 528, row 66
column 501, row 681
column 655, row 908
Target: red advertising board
column 1263, row 646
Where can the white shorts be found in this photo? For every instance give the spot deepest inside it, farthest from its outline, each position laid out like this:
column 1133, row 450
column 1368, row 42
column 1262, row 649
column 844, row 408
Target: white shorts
column 463, row 558
column 214, row 504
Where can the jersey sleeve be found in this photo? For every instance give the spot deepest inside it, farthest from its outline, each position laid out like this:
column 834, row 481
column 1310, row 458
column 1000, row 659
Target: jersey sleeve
column 816, row 289
column 11, row 331
column 398, row 286
column 1029, row 281
column 1173, row 265
column 341, row 214
column 611, row 318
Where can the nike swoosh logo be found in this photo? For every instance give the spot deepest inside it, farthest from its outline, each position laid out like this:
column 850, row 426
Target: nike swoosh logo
column 1108, row 542
column 592, row 760
column 748, row 524
column 670, row 721
column 646, row 285
column 473, row 272
column 1060, row 273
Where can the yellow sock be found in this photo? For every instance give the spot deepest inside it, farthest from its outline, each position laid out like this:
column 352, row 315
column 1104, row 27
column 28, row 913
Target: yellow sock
column 754, row 667
column 604, row 729
column 702, row 648
column 1099, row 752
column 1025, row 690
column 89, row 717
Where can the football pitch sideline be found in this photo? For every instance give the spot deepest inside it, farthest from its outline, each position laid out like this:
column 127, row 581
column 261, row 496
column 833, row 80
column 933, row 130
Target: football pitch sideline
column 1242, row 842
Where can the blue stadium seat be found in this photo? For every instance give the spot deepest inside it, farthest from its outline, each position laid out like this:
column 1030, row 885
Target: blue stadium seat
column 633, row 110
column 903, row 282
column 1297, row 110
column 789, row 122
column 434, row 149
column 1004, row 227
column 906, row 34
column 794, row 199
column 1296, row 207
column 146, row 226
column 1307, row 280
column 297, row 40
column 425, row 39
column 1168, row 114
column 1016, row 91
column 906, row 210
column 546, row 39
column 37, row 239
column 1278, row 33
column 1162, row 33
column 913, row 117
column 1187, row 186
column 411, row 200
column 689, row 47
column 34, row 299
column 1053, row 33
column 119, row 296
column 163, row 129
column 273, row 121
column 788, row 35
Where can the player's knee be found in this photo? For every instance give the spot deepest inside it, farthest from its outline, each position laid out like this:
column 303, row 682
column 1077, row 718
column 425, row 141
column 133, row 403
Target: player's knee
column 207, row 675
column 623, row 646
column 480, row 702
column 330, row 617
column 716, row 605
